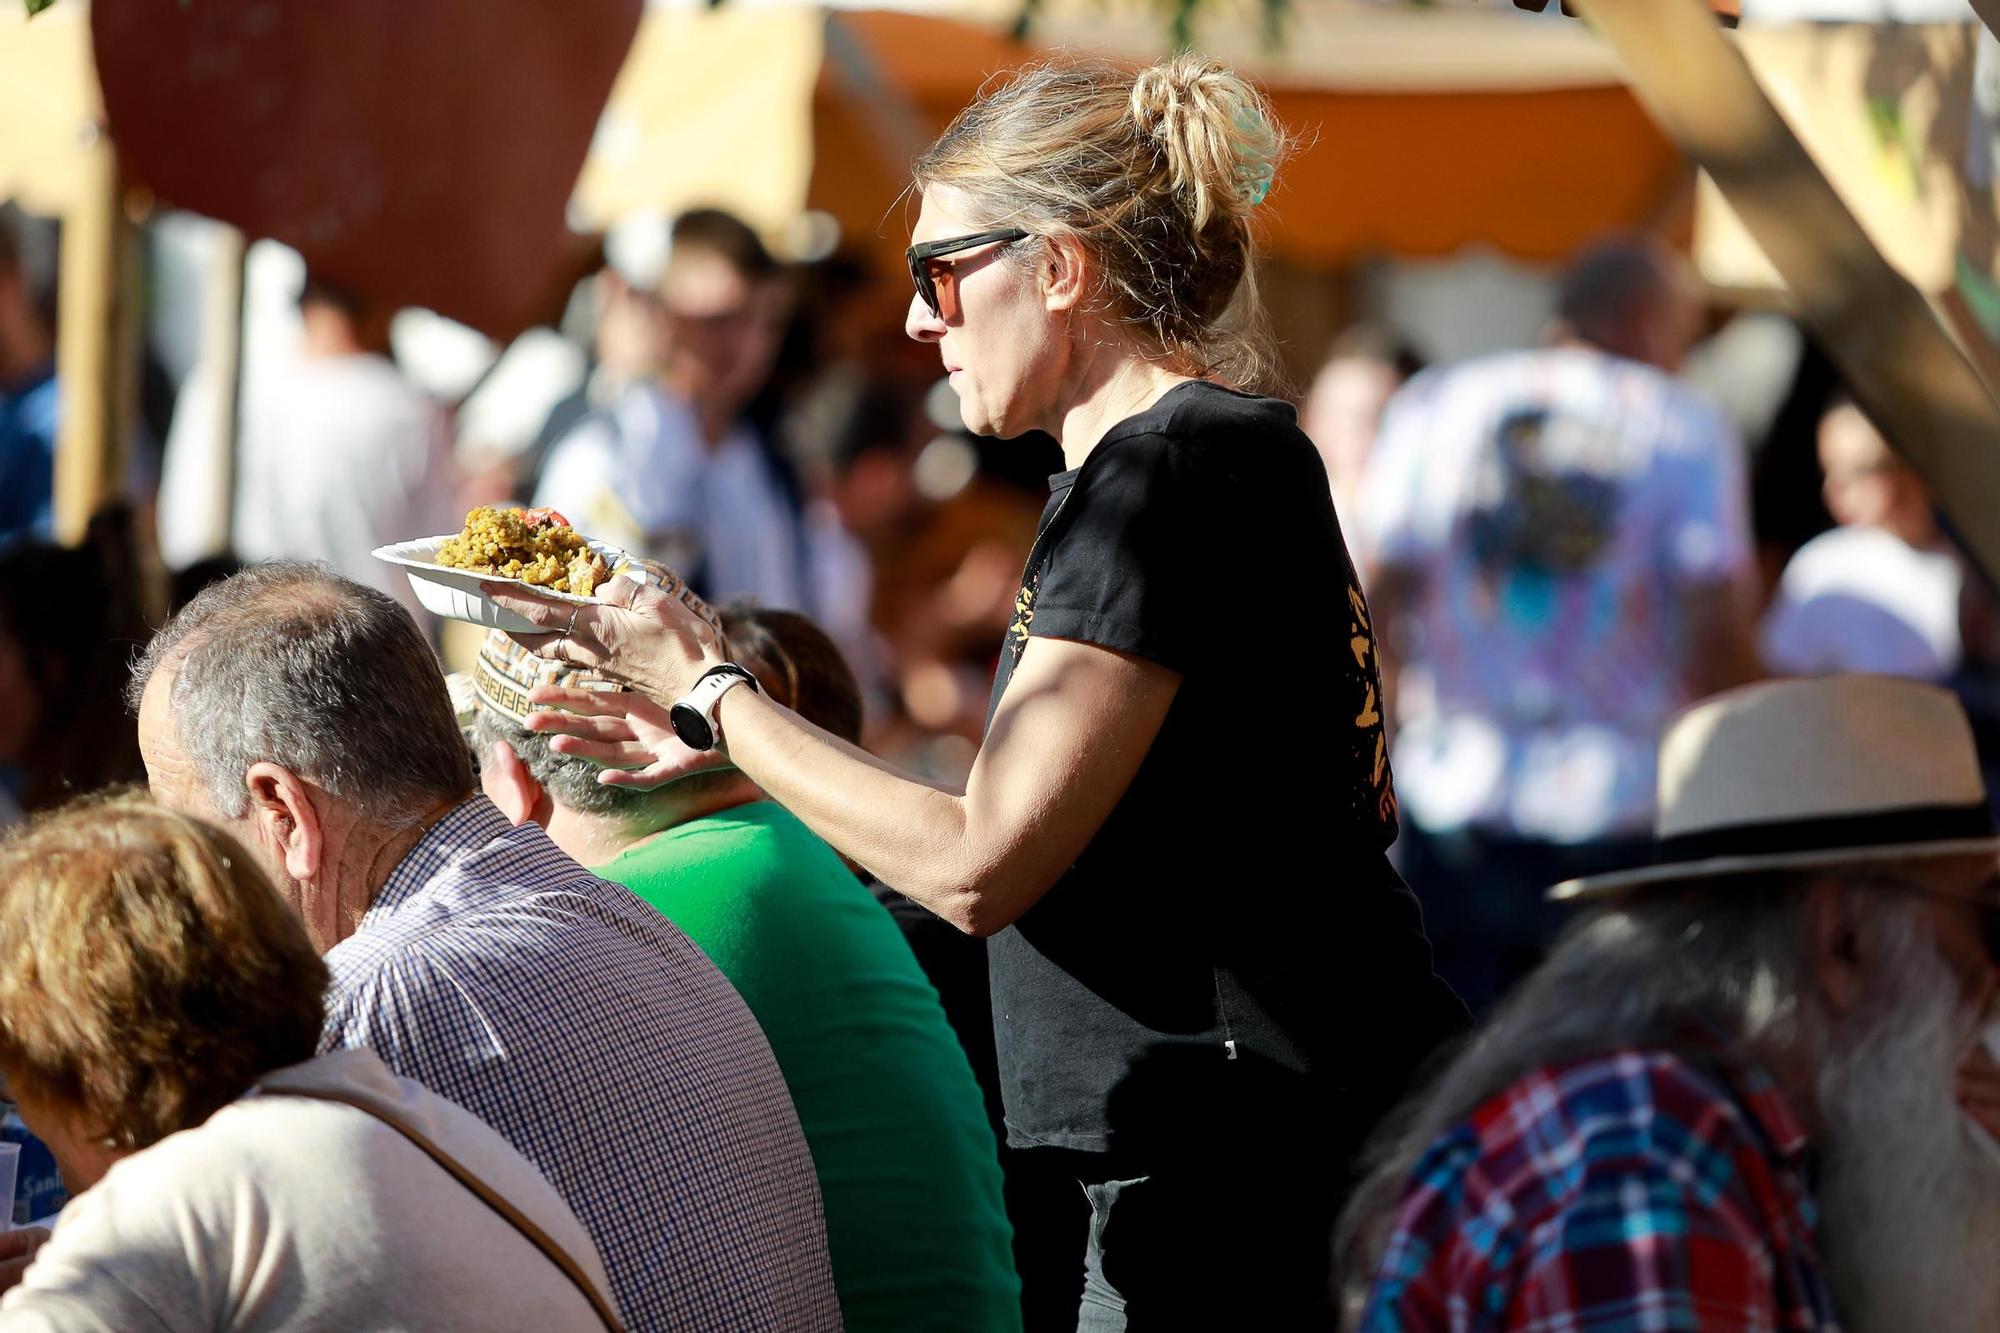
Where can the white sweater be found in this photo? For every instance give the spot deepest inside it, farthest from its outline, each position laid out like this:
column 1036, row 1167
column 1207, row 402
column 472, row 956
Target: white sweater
column 287, row 1213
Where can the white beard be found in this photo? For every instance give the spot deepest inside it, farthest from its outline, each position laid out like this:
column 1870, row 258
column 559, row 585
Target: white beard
column 1910, row 1196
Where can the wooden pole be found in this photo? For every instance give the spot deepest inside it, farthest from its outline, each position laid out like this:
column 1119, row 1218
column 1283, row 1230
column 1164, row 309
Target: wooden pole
column 96, row 345
column 1885, row 336
column 222, row 357
column 1989, row 14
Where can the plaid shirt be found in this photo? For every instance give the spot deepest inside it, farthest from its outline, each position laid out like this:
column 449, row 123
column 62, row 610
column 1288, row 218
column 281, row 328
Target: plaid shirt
column 585, row 1027
column 1630, row 1192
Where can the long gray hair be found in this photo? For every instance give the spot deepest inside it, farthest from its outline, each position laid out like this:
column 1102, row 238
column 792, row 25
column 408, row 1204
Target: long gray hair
column 1731, row 953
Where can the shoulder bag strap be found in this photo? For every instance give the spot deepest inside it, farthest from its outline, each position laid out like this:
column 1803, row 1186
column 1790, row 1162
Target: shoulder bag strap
column 492, row 1198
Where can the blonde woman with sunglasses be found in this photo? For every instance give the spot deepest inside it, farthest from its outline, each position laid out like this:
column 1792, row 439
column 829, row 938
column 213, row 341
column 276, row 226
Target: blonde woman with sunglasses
column 1208, row 983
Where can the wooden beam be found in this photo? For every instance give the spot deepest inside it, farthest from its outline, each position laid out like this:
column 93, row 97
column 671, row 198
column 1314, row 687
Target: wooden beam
column 1885, row 336
column 1730, row 10
column 1989, row 14
column 97, row 344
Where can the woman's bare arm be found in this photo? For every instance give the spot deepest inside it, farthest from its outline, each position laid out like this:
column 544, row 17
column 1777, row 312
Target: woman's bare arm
column 1069, row 734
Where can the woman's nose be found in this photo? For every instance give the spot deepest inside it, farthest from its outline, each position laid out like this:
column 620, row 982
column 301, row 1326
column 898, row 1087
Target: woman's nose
column 920, row 323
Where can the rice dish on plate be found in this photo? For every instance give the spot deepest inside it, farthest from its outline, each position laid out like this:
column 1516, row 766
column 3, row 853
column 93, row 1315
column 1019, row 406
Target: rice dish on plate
column 536, row 546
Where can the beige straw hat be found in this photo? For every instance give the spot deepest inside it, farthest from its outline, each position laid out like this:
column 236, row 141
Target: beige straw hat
column 1798, row 773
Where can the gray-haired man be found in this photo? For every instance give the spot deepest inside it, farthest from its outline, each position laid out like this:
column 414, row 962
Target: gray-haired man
column 306, row 713
column 1753, row 1088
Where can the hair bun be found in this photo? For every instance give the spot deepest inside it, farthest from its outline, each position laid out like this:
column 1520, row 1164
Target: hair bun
column 1214, row 131
column 1155, row 172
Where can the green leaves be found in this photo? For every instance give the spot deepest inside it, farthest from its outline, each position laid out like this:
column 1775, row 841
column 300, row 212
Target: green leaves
column 37, row 6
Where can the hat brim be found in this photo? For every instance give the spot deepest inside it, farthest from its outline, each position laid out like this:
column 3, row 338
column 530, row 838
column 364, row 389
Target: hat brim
column 1608, row 885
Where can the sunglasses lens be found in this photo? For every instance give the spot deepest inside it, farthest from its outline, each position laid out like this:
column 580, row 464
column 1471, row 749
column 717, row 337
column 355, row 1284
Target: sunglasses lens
column 920, row 274
column 944, row 292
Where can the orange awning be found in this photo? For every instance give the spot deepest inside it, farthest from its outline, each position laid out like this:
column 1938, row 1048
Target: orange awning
column 1407, row 170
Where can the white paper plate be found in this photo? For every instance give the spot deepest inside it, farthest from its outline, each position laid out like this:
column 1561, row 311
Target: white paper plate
column 454, row 593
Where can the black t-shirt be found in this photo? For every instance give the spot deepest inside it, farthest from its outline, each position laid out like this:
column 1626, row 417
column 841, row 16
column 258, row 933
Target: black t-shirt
column 1232, row 952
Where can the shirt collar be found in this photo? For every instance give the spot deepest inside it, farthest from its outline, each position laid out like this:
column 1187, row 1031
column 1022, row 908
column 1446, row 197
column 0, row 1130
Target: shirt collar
column 1754, row 1089
column 471, row 824
column 1768, row 1106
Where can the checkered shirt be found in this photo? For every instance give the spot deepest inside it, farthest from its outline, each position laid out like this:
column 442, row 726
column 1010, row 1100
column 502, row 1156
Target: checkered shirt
column 1633, row 1192
column 588, row 1030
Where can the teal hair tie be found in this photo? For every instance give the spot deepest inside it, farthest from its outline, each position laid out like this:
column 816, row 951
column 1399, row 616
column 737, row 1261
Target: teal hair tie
column 1258, row 183
column 1257, row 175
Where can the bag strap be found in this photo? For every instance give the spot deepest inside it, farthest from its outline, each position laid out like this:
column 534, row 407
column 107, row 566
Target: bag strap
column 491, row 1197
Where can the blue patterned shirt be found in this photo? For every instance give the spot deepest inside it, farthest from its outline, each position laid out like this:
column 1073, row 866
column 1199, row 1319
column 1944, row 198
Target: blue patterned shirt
column 584, row 1026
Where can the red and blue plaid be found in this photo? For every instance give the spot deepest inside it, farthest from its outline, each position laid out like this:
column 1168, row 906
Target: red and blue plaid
column 1640, row 1191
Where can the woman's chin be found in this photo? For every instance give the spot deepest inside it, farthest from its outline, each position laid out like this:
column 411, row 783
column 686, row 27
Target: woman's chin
column 995, row 422
column 977, row 421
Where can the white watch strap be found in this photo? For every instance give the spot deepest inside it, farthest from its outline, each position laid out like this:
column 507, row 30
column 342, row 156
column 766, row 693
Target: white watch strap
column 706, row 697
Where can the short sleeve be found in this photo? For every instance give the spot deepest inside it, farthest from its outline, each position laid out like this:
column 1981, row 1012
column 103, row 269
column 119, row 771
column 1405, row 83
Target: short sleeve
column 370, row 1011
column 119, row 1263
column 1635, row 1248
column 418, row 1009
column 1128, row 566
column 1706, row 538
column 1384, row 525
column 1836, row 631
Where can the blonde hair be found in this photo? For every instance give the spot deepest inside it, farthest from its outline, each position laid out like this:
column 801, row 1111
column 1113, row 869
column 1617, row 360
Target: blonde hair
column 1157, row 174
column 149, row 973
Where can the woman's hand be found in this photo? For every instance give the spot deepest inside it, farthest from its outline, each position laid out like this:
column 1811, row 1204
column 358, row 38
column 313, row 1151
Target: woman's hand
column 625, row 732
column 638, row 633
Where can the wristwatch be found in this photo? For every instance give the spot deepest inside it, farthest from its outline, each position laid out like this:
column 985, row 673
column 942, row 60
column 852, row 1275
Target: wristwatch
column 693, row 717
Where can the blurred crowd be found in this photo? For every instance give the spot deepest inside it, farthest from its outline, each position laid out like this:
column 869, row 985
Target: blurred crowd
column 1561, row 544
column 728, row 415
column 1566, row 544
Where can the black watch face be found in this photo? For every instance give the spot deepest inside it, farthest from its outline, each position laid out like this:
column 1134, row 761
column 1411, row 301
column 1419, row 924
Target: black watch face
column 691, row 727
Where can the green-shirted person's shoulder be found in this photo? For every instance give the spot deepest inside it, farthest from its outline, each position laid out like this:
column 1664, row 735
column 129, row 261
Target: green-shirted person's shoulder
column 908, row 1167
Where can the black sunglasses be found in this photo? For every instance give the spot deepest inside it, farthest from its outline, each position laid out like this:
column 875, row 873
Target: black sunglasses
column 921, row 255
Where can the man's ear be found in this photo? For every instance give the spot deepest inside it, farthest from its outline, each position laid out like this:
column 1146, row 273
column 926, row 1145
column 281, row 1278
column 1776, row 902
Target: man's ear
column 282, row 812
column 1833, row 934
column 509, row 785
column 1065, row 273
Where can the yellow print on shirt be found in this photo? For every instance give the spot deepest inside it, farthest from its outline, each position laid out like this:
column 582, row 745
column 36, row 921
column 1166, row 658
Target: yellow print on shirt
column 1024, row 616
column 1361, row 642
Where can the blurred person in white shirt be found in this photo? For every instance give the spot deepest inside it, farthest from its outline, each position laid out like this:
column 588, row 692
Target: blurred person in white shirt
column 340, row 454
column 1556, row 541
column 1880, row 592
column 670, row 466
column 628, row 342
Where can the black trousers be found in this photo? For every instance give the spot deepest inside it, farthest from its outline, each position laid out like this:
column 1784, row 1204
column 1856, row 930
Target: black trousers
column 1220, row 1242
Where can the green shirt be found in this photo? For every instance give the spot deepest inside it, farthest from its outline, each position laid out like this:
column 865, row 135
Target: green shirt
column 908, row 1170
